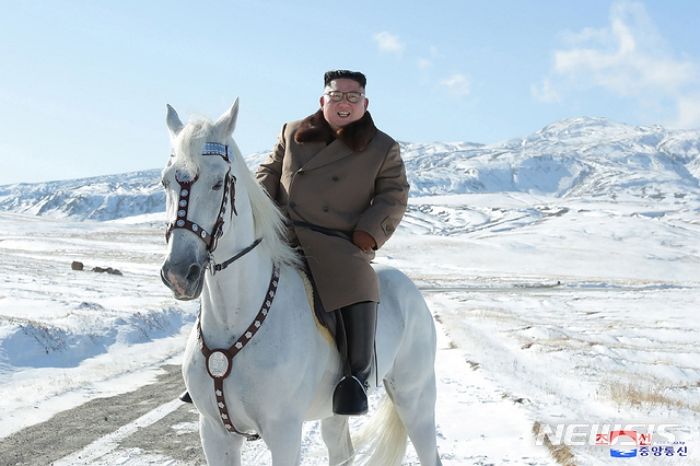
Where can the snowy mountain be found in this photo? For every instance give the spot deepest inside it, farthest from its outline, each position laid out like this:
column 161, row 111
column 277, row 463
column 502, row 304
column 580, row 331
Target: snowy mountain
column 95, row 198
column 579, row 157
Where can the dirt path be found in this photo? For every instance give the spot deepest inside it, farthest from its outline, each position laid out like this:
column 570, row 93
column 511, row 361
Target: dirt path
column 71, row 431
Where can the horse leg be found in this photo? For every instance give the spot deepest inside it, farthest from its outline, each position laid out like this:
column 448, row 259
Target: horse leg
column 283, row 438
column 416, row 408
column 220, row 447
column 336, row 436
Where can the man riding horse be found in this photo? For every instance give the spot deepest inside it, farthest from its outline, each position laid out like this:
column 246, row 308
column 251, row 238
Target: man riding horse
column 342, row 185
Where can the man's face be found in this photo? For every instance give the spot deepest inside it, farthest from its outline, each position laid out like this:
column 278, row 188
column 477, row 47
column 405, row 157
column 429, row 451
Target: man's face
column 339, row 114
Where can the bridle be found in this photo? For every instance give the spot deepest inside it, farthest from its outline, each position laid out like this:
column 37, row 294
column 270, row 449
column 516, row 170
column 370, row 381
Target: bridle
column 219, row 361
column 210, row 239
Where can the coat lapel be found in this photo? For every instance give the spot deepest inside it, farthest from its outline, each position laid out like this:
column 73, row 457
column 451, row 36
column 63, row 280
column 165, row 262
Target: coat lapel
column 331, row 153
column 320, row 145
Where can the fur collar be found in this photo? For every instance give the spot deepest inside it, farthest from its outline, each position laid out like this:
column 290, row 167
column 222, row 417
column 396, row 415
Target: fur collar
column 356, row 135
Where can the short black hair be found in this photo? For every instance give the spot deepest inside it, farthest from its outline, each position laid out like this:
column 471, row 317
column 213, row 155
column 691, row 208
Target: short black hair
column 344, row 74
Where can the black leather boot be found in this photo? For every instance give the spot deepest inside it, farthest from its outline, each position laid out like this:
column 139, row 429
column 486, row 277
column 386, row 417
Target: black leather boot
column 359, row 321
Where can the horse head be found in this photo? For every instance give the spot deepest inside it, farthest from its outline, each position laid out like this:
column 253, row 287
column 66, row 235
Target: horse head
column 199, row 181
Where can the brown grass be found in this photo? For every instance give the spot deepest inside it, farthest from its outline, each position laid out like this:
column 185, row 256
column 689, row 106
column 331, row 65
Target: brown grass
column 628, row 394
column 561, row 453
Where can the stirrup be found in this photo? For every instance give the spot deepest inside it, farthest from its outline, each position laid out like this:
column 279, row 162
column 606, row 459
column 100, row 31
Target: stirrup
column 350, row 397
column 185, row 397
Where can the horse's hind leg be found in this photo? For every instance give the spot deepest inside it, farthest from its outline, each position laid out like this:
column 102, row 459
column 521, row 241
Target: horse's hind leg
column 416, row 408
column 336, row 436
column 220, row 447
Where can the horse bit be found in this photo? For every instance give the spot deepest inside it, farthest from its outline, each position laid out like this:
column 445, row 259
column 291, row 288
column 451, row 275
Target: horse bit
column 220, row 361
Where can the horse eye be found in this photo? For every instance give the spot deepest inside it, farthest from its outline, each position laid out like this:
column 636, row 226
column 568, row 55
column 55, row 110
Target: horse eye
column 164, row 182
column 218, row 185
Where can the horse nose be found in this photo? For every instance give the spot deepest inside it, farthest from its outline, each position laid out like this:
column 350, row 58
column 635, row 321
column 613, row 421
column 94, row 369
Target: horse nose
column 185, row 280
column 193, row 273
column 171, row 279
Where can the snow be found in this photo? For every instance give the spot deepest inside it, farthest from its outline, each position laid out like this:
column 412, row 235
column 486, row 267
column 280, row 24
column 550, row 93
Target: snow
column 578, row 157
column 563, row 270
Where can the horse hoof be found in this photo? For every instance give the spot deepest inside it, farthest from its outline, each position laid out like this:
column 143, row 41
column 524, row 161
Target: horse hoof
column 349, row 397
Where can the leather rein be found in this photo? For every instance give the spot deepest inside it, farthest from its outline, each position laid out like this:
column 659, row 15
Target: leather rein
column 220, row 361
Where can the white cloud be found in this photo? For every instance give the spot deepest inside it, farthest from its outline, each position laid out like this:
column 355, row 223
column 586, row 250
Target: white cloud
column 545, row 92
column 424, row 63
column 428, row 59
column 688, row 115
column 388, row 42
column 628, row 58
column 457, row 84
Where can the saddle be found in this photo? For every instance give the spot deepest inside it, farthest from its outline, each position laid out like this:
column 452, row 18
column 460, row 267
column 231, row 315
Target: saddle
column 326, row 321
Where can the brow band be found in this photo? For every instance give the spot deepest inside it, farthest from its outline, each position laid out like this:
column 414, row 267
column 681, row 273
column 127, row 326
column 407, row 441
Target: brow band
column 215, row 148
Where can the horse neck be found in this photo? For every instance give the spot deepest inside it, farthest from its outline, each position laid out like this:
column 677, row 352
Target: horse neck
column 232, row 297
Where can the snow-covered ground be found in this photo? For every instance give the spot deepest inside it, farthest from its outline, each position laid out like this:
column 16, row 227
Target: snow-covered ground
column 552, row 311
column 570, row 313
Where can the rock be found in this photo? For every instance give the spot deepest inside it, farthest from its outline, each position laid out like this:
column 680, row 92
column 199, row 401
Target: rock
column 77, row 265
column 108, row 270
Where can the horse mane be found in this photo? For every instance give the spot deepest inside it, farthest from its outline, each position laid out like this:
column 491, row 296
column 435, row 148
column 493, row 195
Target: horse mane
column 269, row 221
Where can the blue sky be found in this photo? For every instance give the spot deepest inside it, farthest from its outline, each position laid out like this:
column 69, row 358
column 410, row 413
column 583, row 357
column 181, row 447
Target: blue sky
column 83, row 84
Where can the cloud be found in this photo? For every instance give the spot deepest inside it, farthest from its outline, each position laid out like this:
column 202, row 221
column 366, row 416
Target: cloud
column 424, row 63
column 627, row 58
column 688, row 112
column 457, row 84
column 545, row 92
column 388, row 42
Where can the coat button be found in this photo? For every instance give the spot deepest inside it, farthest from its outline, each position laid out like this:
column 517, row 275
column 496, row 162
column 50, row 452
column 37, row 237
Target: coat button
column 325, row 208
column 335, row 178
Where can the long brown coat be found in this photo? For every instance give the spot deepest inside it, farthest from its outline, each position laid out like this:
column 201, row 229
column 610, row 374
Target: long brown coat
column 352, row 180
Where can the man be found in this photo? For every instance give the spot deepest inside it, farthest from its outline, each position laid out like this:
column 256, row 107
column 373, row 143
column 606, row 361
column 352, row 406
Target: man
column 342, row 184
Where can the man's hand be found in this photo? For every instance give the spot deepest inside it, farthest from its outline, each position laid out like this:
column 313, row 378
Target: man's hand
column 363, row 240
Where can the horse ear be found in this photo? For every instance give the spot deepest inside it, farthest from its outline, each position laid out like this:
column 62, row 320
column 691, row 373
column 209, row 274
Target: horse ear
column 173, row 121
column 227, row 122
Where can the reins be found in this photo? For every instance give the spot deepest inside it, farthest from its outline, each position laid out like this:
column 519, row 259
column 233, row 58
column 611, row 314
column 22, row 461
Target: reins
column 219, row 267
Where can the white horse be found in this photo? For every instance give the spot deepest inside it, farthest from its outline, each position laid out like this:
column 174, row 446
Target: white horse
column 226, row 243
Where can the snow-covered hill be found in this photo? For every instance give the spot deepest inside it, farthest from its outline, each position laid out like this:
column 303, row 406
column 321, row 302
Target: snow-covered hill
column 95, row 198
column 579, row 157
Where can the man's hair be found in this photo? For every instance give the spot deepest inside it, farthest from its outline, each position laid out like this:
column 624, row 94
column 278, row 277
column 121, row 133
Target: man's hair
column 344, row 74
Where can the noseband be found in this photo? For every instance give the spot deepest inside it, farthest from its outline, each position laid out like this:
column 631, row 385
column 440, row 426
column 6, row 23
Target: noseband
column 210, row 239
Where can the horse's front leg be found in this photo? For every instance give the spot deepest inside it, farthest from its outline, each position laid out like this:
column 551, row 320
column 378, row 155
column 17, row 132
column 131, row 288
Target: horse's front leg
column 336, row 436
column 283, row 438
column 221, row 448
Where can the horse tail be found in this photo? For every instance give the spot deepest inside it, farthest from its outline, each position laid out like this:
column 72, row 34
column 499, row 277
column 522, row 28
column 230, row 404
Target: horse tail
column 383, row 438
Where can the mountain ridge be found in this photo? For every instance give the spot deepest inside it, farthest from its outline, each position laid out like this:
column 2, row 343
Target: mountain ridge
column 575, row 157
